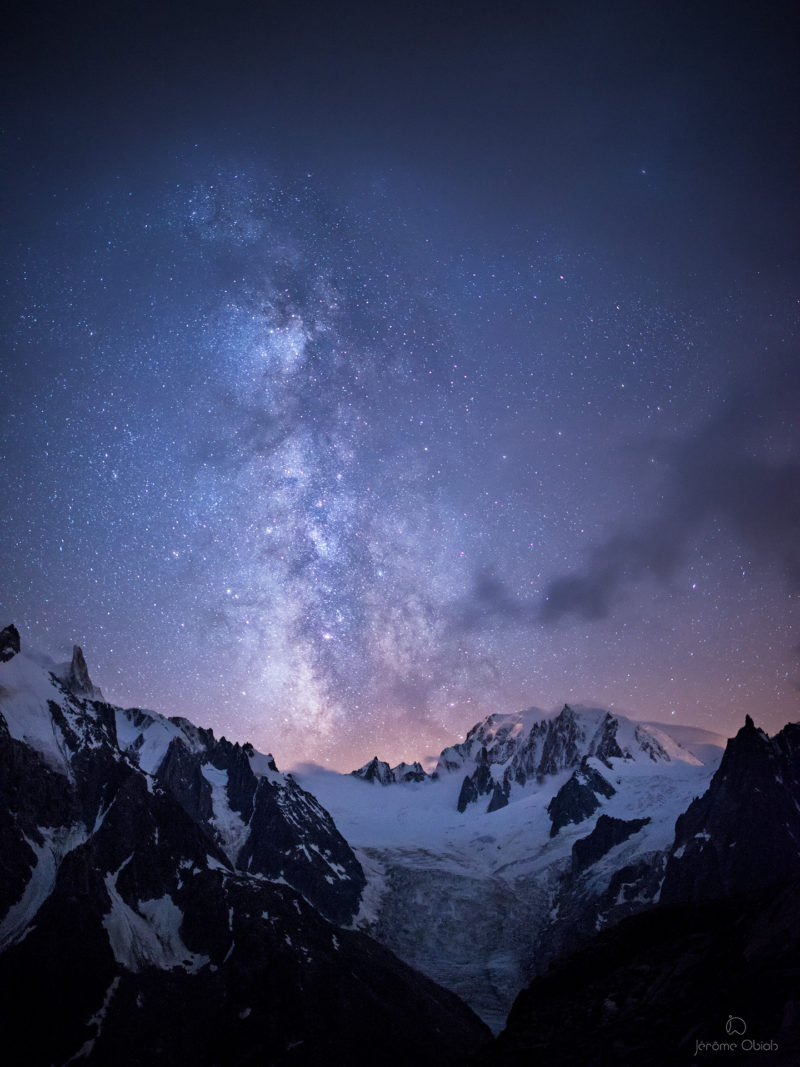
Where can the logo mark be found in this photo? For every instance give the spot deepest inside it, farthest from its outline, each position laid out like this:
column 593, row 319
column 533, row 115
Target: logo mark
column 735, row 1025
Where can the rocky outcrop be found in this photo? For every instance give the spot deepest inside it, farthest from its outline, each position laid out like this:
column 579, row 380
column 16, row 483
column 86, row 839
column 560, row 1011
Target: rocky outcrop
column 476, row 784
column 499, row 797
column 409, row 772
column 379, row 771
column 180, row 774
column 743, row 834
column 77, row 679
column 561, row 744
column 292, row 837
column 607, row 833
column 375, row 771
column 35, row 801
column 9, row 643
column 577, row 799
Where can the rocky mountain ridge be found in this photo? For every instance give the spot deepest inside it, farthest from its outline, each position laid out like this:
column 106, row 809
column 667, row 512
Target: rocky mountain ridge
column 169, row 897
column 530, row 834
column 379, row 771
column 719, row 939
column 507, row 750
column 149, row 865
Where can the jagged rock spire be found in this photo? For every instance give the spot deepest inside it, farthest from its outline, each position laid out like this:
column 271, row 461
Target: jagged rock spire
column 375, row 771
column 78, row 680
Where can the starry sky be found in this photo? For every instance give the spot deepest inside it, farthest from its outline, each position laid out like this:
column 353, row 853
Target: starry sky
column 367, row 369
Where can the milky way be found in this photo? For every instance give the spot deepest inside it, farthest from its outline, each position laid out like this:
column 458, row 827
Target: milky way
column 323, row 457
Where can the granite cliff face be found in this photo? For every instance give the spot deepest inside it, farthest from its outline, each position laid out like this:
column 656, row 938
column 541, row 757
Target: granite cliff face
column 172, row 898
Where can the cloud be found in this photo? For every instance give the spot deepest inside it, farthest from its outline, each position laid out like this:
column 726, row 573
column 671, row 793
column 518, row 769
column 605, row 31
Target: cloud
column 740, row 470
column 490, row 601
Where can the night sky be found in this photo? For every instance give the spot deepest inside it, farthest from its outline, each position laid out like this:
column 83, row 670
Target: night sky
column 369, row 369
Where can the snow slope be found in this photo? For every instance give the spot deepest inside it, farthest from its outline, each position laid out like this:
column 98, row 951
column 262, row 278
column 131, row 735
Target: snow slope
column 467, row 897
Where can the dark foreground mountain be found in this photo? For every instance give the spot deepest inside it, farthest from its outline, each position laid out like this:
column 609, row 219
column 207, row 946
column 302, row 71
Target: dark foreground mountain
column 743, row 834
column 170, row 898
column 702, row 983
column 710, row 975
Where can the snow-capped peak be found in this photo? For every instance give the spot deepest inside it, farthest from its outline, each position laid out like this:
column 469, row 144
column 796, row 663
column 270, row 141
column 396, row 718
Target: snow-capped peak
column 375, row 771
column 507, row 750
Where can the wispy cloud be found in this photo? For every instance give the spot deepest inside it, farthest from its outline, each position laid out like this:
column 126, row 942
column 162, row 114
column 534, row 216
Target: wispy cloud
column 739, row 470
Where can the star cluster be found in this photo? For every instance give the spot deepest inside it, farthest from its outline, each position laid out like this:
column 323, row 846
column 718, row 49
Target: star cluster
column 317, row 444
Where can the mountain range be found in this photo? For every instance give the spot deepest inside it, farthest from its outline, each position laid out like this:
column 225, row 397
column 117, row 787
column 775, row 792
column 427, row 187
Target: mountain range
column 568, row 881
column 527, row 837
column 170, row 898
